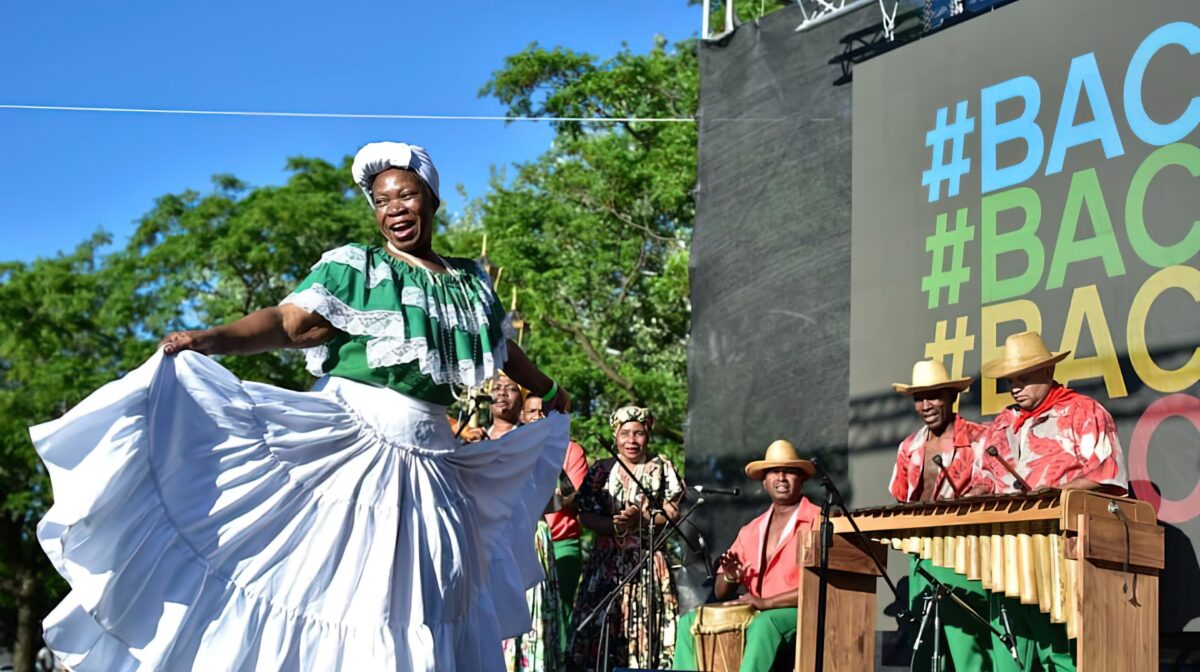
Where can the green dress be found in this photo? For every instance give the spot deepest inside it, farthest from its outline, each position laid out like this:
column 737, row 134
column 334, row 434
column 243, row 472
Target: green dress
column 405, row 328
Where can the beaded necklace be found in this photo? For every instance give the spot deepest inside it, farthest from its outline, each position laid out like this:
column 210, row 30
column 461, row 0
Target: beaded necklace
column 447, row 348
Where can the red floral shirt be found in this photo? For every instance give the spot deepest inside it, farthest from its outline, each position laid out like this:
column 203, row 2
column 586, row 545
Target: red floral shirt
column 1075, row 438
column 964, row 462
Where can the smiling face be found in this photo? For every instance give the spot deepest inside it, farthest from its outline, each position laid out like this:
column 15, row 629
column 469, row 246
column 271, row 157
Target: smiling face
column 632, row 438
column 783, row 485
column 935, row 408
column 1030, row 388
column 533, row 410
column 404, row 209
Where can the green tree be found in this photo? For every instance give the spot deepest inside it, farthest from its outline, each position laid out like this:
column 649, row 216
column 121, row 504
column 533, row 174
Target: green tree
column 206, row 260
column 594, row 234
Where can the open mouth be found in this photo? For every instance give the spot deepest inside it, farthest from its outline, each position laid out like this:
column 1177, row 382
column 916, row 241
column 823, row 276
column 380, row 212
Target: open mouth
column 403, row 230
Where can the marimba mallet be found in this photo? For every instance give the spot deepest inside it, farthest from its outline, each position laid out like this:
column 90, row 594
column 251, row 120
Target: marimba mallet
column 937, row 459
column 1020, row 481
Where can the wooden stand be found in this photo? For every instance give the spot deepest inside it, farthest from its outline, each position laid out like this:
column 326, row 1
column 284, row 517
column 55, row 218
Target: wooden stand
column 849, row 608
column 1117, row 607
column 1115, row 543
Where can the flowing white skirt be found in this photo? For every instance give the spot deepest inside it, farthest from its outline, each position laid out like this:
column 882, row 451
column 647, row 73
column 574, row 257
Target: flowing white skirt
column 205, row 523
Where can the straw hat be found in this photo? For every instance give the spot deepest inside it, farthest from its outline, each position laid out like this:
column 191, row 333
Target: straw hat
column 928, row 375
column 780, row 455
column 1023, row 352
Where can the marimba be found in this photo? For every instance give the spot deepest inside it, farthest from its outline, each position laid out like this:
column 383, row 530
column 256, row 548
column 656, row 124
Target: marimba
column 1088, row 560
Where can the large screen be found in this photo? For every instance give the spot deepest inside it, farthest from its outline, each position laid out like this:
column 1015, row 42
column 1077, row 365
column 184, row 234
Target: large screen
column 1038, row 168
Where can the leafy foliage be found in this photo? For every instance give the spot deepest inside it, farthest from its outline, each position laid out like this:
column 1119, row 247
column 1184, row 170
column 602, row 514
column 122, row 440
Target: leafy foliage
column 593, row 235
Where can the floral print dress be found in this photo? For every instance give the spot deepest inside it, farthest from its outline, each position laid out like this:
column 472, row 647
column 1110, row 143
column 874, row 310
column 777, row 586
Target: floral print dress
column 608, row 489
column 540, row 649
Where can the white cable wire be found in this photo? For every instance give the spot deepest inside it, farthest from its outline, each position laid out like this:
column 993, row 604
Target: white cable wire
column 333, row 115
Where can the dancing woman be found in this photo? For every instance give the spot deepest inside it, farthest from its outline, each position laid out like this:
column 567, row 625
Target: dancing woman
column 206, row 523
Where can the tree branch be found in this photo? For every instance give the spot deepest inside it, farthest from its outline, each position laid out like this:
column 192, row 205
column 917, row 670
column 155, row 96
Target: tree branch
column 637, row 268
column 592, row 354
column 590, row 351
column 585, row 202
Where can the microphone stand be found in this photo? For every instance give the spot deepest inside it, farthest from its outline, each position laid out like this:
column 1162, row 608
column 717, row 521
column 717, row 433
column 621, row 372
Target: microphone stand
column 655, row 506
column 464, row 414
column 833, row 497
column 942, row 590
column 606, row 604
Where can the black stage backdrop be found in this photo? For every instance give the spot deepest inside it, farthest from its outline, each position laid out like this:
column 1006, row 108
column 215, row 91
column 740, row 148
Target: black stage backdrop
column 770, row 277
column 771, row 257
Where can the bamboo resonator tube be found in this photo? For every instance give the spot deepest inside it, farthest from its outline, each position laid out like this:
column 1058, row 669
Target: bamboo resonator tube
column 1023, row 561
column 1088, row 560
column 1013, row 545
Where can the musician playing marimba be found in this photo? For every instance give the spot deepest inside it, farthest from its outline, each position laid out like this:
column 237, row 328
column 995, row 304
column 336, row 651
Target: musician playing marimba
column 939, row 462
column 1052, row 437
column 764, row 561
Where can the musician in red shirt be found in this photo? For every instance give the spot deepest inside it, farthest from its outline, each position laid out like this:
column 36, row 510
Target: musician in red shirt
column 763, row 560
column 945, row 435
column 1052, row 437
column 565, row 530
column 948, row 437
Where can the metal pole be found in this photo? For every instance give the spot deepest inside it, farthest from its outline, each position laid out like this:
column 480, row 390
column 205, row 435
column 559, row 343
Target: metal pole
column 823, row 578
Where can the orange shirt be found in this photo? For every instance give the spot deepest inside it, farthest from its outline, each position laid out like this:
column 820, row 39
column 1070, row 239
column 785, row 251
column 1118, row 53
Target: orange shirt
column 564, row 524
column 782, row 570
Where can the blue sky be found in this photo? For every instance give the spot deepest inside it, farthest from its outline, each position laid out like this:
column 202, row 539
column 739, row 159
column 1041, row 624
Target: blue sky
column 66, row 174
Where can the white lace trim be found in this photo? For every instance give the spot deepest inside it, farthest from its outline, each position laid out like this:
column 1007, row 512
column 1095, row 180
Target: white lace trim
column 378, row 323
column 449, row 314
column 356, row 258
column 388, row 345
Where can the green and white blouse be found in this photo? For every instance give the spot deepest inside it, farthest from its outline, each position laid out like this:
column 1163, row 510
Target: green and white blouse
column 401, row 327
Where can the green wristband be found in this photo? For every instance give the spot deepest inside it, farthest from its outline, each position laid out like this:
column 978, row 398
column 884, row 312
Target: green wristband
column 552, row 392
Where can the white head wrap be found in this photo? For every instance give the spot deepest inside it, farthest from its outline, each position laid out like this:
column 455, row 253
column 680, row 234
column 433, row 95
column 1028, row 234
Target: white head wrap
column 376, row 157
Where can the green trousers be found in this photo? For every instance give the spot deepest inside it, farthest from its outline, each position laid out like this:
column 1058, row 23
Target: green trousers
column 967, row 641
column 768, row 630
column 1036, row 638
column 568, row 562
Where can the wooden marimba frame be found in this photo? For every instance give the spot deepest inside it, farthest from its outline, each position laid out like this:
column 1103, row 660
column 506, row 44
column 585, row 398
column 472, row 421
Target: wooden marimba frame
column 1089, row 561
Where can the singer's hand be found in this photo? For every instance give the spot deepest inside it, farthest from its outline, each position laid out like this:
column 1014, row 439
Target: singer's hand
column 472, row 435
column 629, row 518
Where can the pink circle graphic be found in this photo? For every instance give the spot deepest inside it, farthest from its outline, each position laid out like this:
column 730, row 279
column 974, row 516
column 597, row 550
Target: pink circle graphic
column 1169, row 511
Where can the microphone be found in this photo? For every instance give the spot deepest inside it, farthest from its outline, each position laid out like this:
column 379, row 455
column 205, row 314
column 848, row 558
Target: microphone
column 708, row 564
column 827, row 481
column 1008, row 467
column 732, row 492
